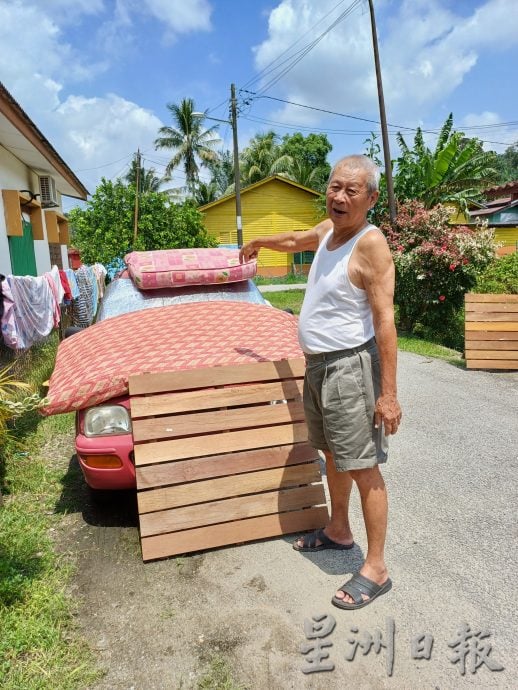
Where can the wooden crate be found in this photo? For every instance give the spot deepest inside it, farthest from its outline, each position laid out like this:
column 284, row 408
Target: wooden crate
column 491, row 335
column 221, row 459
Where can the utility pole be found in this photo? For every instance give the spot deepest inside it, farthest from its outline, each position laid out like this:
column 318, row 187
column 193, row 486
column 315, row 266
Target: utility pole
column 137, row 189
column 383, row 120
column 237, row 181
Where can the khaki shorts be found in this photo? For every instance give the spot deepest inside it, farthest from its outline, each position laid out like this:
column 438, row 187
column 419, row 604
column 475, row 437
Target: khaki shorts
column 340, row 392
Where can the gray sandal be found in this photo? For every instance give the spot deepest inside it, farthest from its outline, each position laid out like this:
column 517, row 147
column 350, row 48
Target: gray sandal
column 309, row 542
column 357, row 586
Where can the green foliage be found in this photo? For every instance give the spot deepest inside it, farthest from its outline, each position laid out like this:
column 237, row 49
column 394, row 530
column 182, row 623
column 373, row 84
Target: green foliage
column 435, row 265
column 222, row 173
column 104, row 230
column 456, row 171
column 263, row 158
column 373, row 151
column 189, row 142
column 506, row 164
column 14, row 402
column 309, row 155
column 147, row 179
column 501, row 276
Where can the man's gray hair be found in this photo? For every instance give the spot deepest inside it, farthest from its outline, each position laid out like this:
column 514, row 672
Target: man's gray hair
column 358, row 161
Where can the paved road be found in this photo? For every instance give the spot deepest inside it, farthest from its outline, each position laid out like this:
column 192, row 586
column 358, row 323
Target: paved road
column 452, row 554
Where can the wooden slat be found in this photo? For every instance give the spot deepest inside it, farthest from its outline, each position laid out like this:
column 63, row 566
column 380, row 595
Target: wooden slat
column 166, row 403
column 180, row 449
column 491, row 335
column 489, row 326
column 491, row 316
column 237, row 485
column 221, row 465
column 474, row 345
column 221, row 420
column 492, row 364
column 474, row 297
column 232, row 533
column 483, row 307
column 216, row 376
column 231, row 509
column 491, row 354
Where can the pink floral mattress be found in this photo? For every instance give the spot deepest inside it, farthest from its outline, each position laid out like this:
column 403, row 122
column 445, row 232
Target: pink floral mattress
column 94, row 365
column 180, row 267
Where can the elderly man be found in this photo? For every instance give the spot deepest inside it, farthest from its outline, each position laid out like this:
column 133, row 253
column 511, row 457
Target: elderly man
column 347, row 332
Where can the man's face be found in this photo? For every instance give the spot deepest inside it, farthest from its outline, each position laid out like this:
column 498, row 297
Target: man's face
column 347, row 198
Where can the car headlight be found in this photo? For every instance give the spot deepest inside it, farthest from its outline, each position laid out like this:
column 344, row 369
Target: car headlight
column 107, row 420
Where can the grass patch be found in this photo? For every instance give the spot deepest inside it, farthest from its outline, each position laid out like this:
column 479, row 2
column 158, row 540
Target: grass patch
column 411, row 343
column 283, row 299
column 218, row 676
column 40, row 645
column 290, row 279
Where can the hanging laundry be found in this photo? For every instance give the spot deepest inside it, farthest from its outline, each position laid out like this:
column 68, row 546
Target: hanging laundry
column 9, row 334
column 54, row 282
column 83, row 307
column 72, row 282
column 66, row 287
column 33, row 314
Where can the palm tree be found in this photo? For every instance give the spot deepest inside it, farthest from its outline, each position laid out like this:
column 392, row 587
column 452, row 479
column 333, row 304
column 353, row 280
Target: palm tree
column 205, row 192
column 304, row 173
column 188, row 140
column 263, row 158
column 457, row 170
column 147, row 180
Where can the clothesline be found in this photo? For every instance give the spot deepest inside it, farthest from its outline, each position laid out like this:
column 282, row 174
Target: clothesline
column 30, row 307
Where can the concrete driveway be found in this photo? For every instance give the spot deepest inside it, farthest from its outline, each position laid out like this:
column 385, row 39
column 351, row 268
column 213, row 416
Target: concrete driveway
column 452, row 554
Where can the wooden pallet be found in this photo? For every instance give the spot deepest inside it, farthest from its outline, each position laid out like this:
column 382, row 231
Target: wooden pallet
column 218, row 462
column 491, row 337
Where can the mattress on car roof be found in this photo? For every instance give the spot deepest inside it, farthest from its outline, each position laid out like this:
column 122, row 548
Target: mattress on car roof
column 180, row 267
column 94, row 365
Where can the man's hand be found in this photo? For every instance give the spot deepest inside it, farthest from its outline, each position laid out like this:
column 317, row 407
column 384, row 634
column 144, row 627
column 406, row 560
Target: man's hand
column 388, row 411
column 248, row 251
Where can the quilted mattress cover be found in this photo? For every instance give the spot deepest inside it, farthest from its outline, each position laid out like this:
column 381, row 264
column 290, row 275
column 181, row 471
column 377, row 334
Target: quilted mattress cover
column 180, row 267
column 94, row 365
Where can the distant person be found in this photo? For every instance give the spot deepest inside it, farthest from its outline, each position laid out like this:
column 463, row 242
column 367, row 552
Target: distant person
column 347, row 332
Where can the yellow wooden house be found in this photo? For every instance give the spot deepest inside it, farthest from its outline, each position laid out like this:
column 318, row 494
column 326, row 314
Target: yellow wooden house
column 272, row 205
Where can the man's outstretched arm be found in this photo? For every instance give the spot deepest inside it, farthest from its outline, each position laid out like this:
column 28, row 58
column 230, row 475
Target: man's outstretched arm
column 289, row 242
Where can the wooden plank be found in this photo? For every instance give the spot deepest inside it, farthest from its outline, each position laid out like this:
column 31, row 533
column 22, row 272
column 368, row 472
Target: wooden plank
column 491, row 316
column 216, row 376
column 220, row 420
column 474, row 297
column 489, row 326
column 12, row 213
column 491, row 354
column 222, row 487
column 231, row 509
column 492, row 364
column 211, row 444
column 491, row 335
column 171, row 403
column 223, row 465
column 483, row 307
column 51, row 223
column 232, row 533
column 474, row 345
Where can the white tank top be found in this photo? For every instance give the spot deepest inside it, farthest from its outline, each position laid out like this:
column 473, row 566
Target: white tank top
column 335, row 314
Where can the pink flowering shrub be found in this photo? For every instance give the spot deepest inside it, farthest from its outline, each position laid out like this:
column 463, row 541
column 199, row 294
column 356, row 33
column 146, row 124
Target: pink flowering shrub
column 436, row 263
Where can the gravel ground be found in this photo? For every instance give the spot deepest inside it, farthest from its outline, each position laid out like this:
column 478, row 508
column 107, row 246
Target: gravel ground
column 451, row 552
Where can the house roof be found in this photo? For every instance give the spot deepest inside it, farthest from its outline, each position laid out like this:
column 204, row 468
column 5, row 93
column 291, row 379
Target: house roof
column 507, row 189
column 20, row 136
column 258, row 184
column 504, row 204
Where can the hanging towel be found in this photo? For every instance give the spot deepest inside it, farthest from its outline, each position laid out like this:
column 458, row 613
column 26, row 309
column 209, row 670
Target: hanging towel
column 83, row 306
column 34, row 310
column 72, row 282
column 66, row 287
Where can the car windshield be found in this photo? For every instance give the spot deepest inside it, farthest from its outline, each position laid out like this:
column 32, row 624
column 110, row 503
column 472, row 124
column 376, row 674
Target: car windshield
column 122, row 296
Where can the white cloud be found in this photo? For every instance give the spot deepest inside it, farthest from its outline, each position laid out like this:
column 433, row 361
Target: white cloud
column 495, row 138
column 426, row 52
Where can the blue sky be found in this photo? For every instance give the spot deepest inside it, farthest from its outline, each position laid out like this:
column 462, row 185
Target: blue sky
column 95, row 75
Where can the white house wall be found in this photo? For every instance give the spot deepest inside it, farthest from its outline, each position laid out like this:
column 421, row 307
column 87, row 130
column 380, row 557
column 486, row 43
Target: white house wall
column 15, row 175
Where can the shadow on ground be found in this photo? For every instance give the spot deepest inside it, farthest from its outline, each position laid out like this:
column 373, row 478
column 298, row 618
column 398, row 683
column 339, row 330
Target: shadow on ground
column 98, row 508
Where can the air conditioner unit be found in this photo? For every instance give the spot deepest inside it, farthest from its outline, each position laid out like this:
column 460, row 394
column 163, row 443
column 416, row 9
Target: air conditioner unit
column 48, row 194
